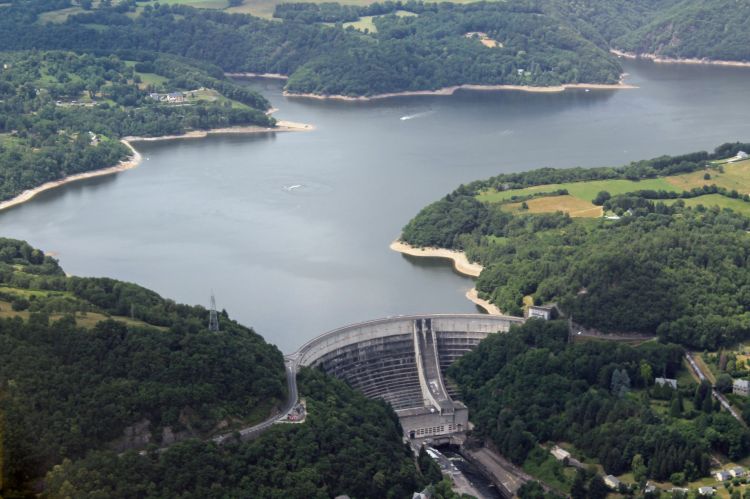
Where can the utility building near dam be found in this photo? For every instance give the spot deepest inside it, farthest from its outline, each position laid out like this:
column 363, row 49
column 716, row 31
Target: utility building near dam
column 402, row 360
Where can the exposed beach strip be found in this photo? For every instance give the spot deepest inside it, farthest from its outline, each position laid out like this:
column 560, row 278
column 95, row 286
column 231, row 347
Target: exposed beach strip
column 136, row 158
column 270, row 76
column 461, row 264
column 281, row 126
column 484, row 88
column 127, row 164
column 678, row 60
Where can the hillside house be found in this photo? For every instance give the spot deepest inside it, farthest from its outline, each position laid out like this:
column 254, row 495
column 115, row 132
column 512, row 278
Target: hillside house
column 737, row 472
column 560, row 454
column 672, row 383
column 741, row 387
column 612, row 482
column 722, row 475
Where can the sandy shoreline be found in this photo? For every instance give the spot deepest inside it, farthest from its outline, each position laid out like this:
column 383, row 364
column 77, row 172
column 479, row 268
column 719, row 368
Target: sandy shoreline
column 27, row 195
column 281, row 126
column 461, row 264
column 451, row 90
column 270, row 76
column 676, row 60
column 136, row 159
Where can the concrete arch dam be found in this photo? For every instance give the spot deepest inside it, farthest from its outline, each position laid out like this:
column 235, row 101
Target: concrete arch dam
column 402, row 360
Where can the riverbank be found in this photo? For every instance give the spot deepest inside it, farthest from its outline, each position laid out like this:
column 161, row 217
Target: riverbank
column 136, row 158
column 461, row 264
column 677, row 60
column 27, row 195
column 281, row 126
column 447, row 91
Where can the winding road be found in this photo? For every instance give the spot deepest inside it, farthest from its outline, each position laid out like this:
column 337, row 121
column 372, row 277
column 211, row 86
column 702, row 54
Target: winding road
column 717, row 394
column 251, row 432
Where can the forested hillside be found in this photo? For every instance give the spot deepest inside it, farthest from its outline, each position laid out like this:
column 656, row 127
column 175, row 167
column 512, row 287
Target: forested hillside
column 95, row 363
column 426, row 51
column 62, row 113
column 717, row 29
column 348, row 445
column 660, row 268
column 531, row 386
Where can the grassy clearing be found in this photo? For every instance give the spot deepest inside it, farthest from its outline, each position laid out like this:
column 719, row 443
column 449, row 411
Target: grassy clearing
column 265, row 8
column 711, row 200
column 83, row 319
column 576, row 207
column 551, row 472
column 151, row 79
column 368, row 22
column 582, row 190
column 200, row 4
column 578, row 203
column 735, row 176
column 59, row 16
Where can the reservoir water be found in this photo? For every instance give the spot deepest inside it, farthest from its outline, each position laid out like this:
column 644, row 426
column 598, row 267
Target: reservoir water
column 291, row 230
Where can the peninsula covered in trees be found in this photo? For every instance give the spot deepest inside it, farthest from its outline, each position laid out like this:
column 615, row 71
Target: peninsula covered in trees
column 63, row 113
column 663, row 262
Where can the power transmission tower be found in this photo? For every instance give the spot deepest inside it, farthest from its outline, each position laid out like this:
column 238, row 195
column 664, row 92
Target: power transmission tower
column 213, row 317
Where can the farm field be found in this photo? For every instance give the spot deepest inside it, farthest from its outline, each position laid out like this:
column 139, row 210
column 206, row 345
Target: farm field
column 367, row 22
column 572, row 205
column 710, row 200
column 578, row 202
column 735, row 176
column 83, row 319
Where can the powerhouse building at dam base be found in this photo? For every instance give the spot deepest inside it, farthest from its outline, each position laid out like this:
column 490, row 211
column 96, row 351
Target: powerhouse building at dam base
column 403, row 360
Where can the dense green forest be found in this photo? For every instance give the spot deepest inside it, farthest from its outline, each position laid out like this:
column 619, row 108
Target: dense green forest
column 62, row 113
column 347, row 445
column 420, row 52
column 84, row 360
column 532, row 386
column 717, row 29
column 677, row 272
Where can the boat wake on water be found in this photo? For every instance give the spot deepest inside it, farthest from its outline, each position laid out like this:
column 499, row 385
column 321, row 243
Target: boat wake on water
column 416, row 115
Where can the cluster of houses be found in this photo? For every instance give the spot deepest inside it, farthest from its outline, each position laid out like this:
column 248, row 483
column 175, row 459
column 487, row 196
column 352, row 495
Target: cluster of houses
column 171, row 97
column 724, row 475
column 615, row 484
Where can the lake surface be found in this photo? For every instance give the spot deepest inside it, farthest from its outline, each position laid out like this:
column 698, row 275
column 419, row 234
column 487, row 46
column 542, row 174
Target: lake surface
column 221, row 213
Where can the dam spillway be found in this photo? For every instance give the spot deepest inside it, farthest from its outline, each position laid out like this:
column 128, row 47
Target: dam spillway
column 403, row 360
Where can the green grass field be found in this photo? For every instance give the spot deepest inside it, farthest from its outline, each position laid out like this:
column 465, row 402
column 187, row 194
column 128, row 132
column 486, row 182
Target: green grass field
column 582, row 190
column 367, row 22
column 578, row 203
column 262, row 8
column 59, row 16
column 151, row 79
column 711, row 200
